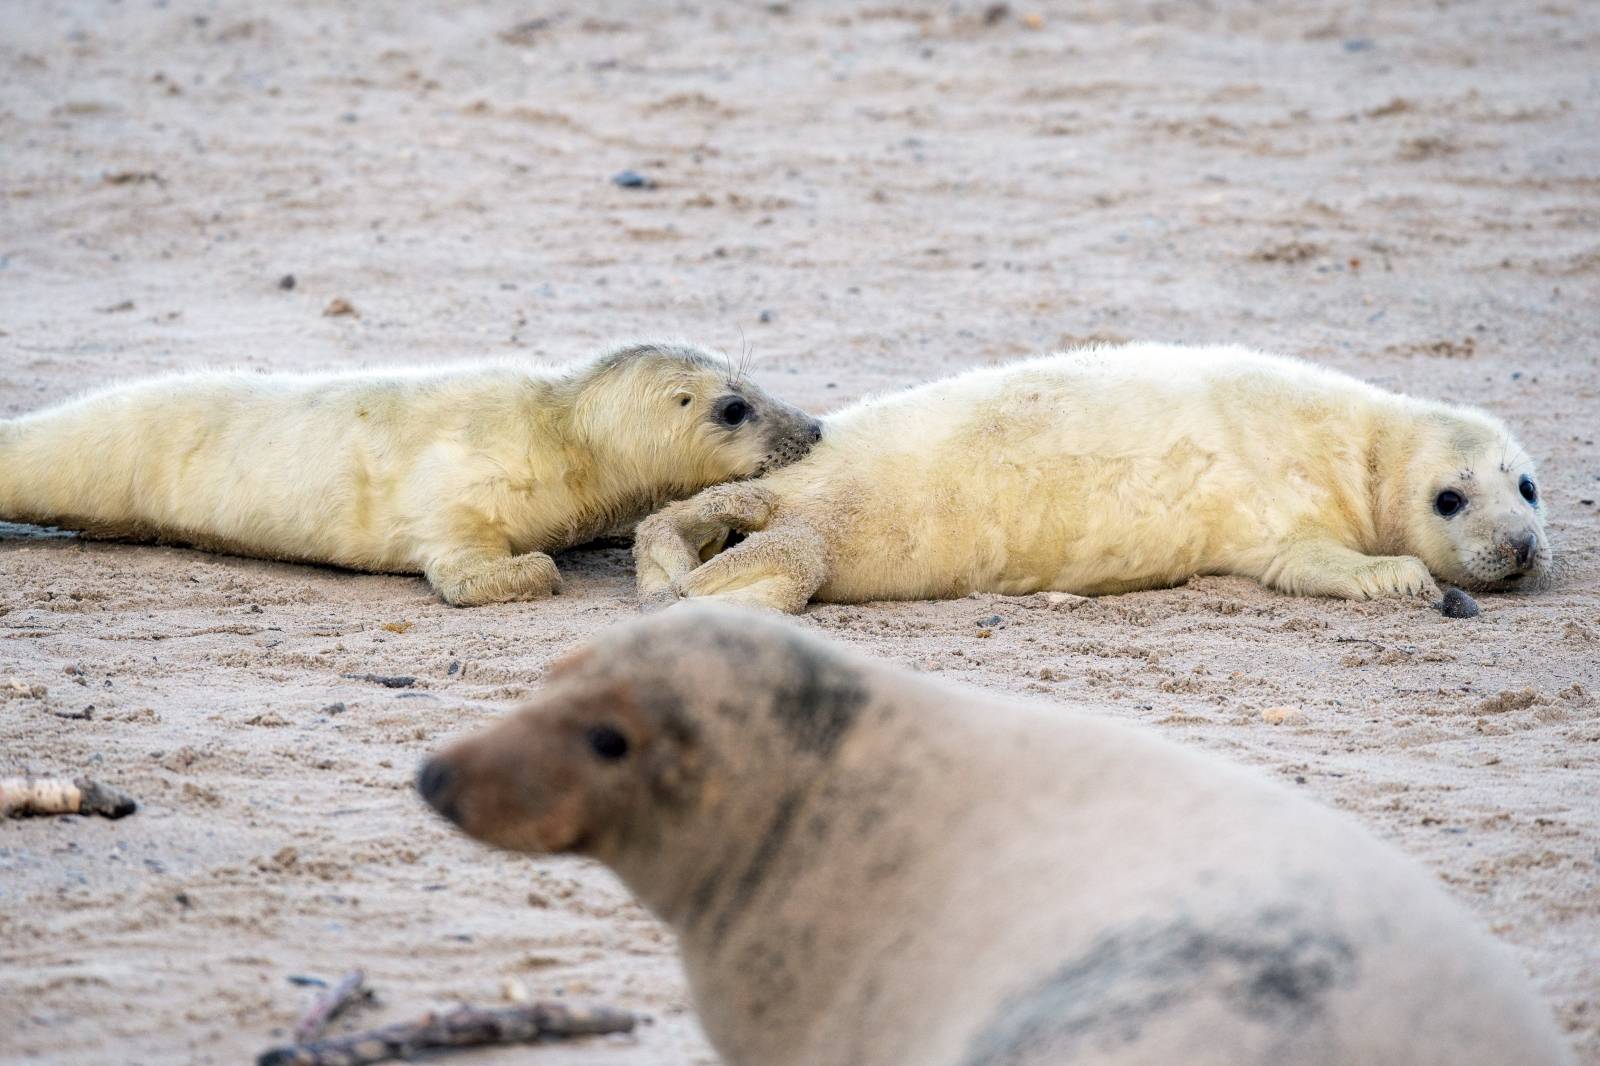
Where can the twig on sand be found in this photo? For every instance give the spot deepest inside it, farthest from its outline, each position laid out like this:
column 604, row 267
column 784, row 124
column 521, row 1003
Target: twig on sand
column 1374, row 643
column 386, row 680
column 463, row 1027
column 329, row 1004
column 23, row 796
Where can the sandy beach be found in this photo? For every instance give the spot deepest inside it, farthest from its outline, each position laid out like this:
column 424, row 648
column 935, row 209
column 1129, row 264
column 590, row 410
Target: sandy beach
column 866, row 196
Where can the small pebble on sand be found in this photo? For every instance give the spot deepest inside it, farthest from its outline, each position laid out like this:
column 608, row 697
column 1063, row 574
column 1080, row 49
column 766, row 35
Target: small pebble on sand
column 632, row 179
column 1457, row 604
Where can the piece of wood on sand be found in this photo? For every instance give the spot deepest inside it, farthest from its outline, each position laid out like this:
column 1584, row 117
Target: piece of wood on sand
column 24, row 796
column 329, row 1004
column 464, row 1027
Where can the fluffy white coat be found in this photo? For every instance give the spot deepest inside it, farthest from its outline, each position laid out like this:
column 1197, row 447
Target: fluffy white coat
column 470, row 475
column 1114, row 469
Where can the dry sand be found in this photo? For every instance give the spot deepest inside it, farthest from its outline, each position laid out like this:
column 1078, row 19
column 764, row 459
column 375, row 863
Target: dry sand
column 870, row 195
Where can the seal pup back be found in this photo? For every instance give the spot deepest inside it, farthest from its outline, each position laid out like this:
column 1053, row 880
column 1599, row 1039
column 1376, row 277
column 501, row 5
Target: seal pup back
column 864, row 866
column 1117, row 469
column 469, row 475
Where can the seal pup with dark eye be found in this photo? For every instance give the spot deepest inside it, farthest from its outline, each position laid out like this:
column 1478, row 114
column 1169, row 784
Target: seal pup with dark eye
column 864, row 866
column 1115, row 469
column 470, row 475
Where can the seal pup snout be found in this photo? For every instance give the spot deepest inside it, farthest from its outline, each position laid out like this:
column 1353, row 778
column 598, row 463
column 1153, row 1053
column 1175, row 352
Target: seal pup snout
column 792, row 439
column 1522, row 550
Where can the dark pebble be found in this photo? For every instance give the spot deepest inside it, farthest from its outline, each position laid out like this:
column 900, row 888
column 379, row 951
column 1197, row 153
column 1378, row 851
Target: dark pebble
column 1457, row 604
column 286, row 282
column 765, row 316
column 632, row 179
column 994, row 621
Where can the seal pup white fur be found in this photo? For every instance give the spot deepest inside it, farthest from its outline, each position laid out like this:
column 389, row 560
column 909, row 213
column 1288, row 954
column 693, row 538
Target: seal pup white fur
column 1114, row 469
column 469, row 475
column 863, row 866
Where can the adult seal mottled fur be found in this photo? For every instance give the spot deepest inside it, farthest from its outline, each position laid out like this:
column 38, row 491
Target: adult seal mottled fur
column 470, row 475
column 1116, row 469
column 863, row 866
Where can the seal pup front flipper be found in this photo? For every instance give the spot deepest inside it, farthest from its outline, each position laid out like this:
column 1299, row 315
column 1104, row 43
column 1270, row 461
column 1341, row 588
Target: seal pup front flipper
column 779, row 568
column 1322, row 567
column 474, row 567
column 677, row 539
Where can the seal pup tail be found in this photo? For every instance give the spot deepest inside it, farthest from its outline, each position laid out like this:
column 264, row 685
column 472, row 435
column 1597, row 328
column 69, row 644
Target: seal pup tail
column 53, row 464
column 9, row 434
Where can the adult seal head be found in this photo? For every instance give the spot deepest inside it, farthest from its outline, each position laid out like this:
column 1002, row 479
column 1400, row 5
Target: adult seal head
column 865, row 867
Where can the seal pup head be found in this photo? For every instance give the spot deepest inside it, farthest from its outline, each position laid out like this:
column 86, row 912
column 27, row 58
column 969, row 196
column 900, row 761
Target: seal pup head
column 1472, row 506
column 676, row 415
column 674, row 748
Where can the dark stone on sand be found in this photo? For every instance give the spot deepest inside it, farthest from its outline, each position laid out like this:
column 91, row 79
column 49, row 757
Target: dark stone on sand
column 1457, row 604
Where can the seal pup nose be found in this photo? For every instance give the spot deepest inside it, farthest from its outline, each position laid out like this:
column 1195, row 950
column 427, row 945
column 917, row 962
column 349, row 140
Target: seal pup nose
column 436, row 781
column 1525, row 548
column 815, row 430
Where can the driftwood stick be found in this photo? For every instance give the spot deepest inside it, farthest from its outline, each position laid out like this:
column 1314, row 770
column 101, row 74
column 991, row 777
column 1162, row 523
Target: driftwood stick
column 24, row 796
column 328, row 1005
column 463, row 1027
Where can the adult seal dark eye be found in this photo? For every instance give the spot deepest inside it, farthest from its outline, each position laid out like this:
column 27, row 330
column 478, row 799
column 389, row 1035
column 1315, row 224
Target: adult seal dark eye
column 607, row 743
column 1448, row 503
column 1529, row 490
column 733, row 412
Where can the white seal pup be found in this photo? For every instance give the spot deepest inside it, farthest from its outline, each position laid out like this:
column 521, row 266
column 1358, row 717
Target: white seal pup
column 469, row 475
column 1114, row 469
column 863, row 866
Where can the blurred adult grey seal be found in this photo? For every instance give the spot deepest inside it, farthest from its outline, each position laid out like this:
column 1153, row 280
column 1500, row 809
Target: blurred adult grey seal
column 470, row 475
column 866, row 867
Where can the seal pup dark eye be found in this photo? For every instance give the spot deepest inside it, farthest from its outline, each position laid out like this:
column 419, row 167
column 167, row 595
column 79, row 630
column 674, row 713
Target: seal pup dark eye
column 1448, row 503
column 685, row 401
column 733, row 412
column 607, row 743
column 1529, row 490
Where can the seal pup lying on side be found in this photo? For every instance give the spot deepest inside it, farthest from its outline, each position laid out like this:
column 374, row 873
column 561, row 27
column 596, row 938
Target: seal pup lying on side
column 863, row 866
column 1115, row 469
column 469, row 475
